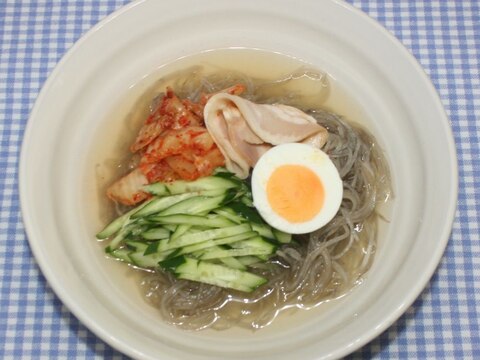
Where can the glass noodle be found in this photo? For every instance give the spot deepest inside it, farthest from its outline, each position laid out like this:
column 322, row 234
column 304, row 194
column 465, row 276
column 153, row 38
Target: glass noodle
column 313, row 268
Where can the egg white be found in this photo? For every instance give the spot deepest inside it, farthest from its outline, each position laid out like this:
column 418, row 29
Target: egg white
column 313, row 159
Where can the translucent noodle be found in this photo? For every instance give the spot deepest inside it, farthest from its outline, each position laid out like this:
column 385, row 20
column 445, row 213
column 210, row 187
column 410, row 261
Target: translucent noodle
column 317, row 266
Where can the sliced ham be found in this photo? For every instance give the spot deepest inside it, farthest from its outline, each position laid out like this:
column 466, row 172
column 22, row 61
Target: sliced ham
column 244, row 131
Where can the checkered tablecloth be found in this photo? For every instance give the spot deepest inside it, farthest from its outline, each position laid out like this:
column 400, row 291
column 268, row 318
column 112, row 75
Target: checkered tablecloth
column 443, row 35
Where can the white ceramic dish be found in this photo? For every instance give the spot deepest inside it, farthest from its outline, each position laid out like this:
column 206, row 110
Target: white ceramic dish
column 404, row 111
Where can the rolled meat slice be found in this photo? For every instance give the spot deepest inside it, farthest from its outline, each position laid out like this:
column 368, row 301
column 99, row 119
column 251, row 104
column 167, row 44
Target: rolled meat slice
column 244, row 131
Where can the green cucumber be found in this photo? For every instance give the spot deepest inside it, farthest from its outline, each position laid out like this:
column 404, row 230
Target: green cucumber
column 196, row 205
column 121, row 254
column 213, row 274
column 156, row 233
column 192, row 220
column 136, row 246
column 170, row 227
column 157, row 247
column 233, row 263
column 263, row 230
column 205, row 230
column 230, row 214
column 190, row 242
column 281, row 236
column 148, row 261
column 255, row 242
column 124, row 233
column 120, row 222
column 195, row 238
column 217, row 242
column 221, row 253
column 201, row 184
column 249, row 213
column 161, row 203
column 249, row 260
column 180, row 230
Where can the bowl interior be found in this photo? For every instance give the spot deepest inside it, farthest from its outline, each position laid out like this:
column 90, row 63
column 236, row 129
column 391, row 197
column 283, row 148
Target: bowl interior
column 375, row 81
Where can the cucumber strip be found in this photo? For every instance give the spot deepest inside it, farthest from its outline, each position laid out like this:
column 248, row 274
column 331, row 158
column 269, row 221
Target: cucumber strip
column 223, row 172
column 195, row 229
column 195, row 205
column 180, row 230
column 148, row 261
column 281, row 236
column 157, row 247
column 161, row 203
column 195, row 238
column 205, row 183
column 247, row 200
column 233, row 263
column 255, row 242
column 170, row 227
column 122, row 235
column 136, row 246
column 249, row 213
column 226, row 235
column 114, row 226
column 230, row 214
column 201, row 184
column 263, row 230
column 156, row 233
column 121, row 254
column 232, row 279
column 193, row 220
column 216, row 242
column 249, row 260
column 120, row 222
column 202, row 271
column 221, row 253
column 138, row 228
column 211, row 193
column 263, row 257
column 158, row 189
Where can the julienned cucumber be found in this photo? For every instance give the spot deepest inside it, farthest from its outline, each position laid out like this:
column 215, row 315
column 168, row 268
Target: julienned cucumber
column 181, row 229
column 148, row 261
column 197, row 270
column 198, row 204
column 223, row 253
column 222, row 236
column 205, row 230
column 199, row 237
column 156, row 233
column 192, row 220
column 119, row 222
column 202, row 184
column 229, row 240
column 159, row 204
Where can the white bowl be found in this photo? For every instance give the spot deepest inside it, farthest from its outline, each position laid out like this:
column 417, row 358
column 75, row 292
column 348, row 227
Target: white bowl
column 57, row 175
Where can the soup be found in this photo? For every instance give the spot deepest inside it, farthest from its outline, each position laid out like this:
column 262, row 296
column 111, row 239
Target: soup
column 299, row 273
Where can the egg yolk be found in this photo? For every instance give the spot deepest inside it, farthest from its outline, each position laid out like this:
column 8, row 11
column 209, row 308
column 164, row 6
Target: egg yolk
column 295, row 193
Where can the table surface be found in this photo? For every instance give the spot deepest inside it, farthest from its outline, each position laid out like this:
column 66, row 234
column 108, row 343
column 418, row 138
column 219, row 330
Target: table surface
column 443, row 35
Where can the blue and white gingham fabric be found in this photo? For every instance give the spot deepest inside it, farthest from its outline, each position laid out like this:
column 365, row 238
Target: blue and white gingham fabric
column 444, row 35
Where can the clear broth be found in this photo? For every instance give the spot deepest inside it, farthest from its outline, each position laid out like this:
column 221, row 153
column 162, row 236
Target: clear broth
column 124, row 120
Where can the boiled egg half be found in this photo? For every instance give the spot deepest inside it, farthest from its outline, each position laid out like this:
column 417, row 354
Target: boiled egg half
column 296, row 188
